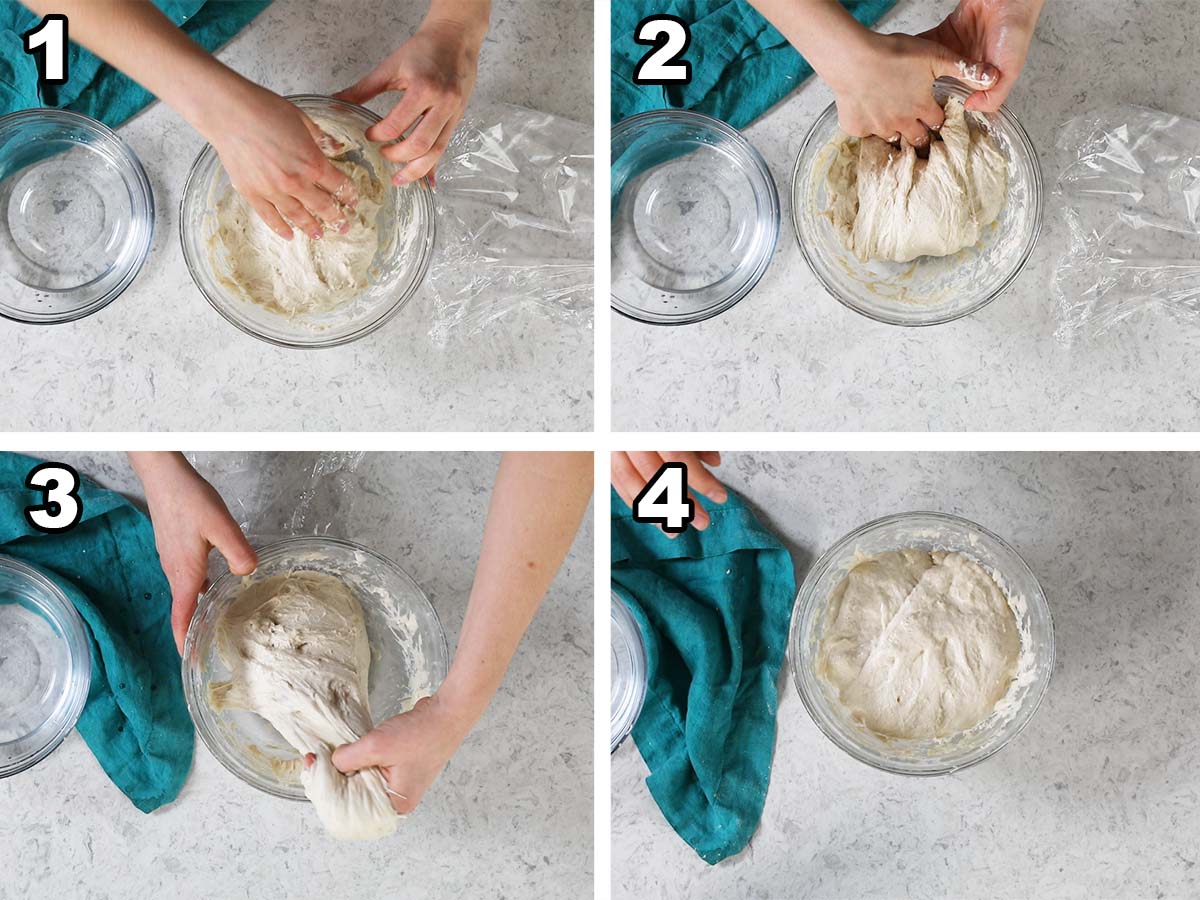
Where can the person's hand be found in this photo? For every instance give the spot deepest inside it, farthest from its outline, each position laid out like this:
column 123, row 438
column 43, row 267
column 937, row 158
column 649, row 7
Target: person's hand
column 411, row 749
column 276, row 158
column 436, row 69
column 632, row 471
column 884, row 85
column 189, row 519
column 997, row 32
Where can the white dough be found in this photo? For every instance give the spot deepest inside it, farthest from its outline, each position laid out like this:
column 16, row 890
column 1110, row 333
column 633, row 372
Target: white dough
column 296, row 646
column 304, row 276
column 918, row 644
column 889, row 204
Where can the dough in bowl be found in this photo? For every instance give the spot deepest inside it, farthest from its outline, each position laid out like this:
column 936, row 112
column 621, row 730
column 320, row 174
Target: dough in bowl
column 919, row 644
column 887, row 203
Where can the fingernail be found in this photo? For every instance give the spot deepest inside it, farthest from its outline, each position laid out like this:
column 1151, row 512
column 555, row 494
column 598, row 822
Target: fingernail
column 720, row 496
column 343, row 227
column 316, row 235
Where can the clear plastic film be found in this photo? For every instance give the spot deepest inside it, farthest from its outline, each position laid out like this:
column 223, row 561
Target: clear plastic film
column 515, row 221
column 279, row 495
column 1129, row 188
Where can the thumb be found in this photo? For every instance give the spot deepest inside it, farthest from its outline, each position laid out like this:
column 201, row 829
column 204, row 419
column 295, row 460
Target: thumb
column 362, row 754
column 366, row 88
column 982, row 76
column 232, row 544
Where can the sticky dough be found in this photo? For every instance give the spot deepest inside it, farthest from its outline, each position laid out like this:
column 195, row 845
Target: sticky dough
column 304, row 276
column 296, row 646
column 889, row 204
column 919, row 645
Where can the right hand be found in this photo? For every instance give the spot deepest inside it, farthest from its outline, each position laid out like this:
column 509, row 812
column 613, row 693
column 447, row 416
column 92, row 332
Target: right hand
column 632, row 471
column 884, row 85
column 272, row 152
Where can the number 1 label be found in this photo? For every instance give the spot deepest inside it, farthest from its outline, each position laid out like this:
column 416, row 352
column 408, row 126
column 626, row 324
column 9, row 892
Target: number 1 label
column 47, row 43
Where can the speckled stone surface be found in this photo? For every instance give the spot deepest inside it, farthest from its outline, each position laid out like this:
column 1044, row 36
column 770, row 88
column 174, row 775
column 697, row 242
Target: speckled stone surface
column 1098, row 797
column 510, row 817
column 159, row 357
column 791, row 358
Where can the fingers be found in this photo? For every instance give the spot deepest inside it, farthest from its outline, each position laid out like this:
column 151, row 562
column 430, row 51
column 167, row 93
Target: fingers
column 710, row 457
column 269, row 214
column 401, row 803
column 320, row 204
column 931, row 115
column 699, row 478
column 233, row 546
column 366, row 88
column 648, row 463
column 988, row 101
column 300, row 217
column 423, row 165
column 915, row 133
column 625, row 478
column 184, row 597
column 403, row 116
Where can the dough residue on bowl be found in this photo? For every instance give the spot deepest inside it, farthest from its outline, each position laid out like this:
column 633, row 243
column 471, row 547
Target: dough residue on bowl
column 919, row 644
column 887, row 203
column 304, row 276
column 296, row 647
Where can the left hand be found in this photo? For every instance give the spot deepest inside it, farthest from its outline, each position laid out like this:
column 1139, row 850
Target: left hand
column 411, row 749
column 436, row 69
column 998, row 32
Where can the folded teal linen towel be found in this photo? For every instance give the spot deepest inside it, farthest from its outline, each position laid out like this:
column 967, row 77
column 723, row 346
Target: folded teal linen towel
column 741, row 64
column 713, row 607
column 93, row 87
column 135, row 721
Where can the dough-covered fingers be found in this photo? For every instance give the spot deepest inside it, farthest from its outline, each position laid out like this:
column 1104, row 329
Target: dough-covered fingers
column 915, row 133
column 293, row 210
column 269, row 214
column 321, row 204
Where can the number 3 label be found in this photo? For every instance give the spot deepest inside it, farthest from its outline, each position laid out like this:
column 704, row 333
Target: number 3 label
column 47, row 42
column 60, row 509
column 670, row 38
column 664, row 500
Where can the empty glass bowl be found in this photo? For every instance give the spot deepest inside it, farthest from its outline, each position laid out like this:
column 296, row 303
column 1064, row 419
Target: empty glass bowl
column 408, row 654
column 929, row 290
column 406, row 225
column 45, row 666
column 76, row 216
column 927, row 531
column 628, row 672
column 695, row 217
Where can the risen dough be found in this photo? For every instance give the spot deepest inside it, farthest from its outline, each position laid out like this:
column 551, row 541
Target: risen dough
column 889, row 204
column 304, row 276
column 919, row 644
column 296, row 646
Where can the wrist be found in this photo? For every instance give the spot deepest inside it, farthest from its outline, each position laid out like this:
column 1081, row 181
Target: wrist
column 463, row 700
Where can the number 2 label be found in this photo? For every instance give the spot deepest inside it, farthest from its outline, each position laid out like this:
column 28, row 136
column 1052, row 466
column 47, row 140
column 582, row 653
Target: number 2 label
column 47, row 42
column 664, row 500
column 670, row 38
column 61, row 508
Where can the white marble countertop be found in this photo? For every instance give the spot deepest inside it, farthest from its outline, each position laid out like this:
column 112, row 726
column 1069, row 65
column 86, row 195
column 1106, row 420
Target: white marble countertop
column 159, row 358
column 1098, row 797
column 790, row 358
column 510, row 817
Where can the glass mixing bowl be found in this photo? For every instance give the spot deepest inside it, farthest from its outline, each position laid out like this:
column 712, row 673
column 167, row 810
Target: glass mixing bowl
column 406, row 224
column 408, row 654
column 76, row 216
column 928, row 531
column 45, row 666
column 628, row 672
column 929, row 290
column 695, row 217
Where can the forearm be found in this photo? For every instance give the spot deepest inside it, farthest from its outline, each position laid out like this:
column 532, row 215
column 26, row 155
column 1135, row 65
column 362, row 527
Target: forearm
column 152, row 467
column 537, row 504
column 471, row 16
column 133, row 36
column 822, row 30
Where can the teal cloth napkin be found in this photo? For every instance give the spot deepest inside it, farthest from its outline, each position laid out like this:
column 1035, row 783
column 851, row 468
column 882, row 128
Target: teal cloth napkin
column 135, row 721
column 714, row 608
column 741, row 64
column 95, row 88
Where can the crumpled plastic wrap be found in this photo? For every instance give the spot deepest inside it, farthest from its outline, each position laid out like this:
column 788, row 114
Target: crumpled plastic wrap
column 281, row 495
column 1129, row 188
column 516, row 221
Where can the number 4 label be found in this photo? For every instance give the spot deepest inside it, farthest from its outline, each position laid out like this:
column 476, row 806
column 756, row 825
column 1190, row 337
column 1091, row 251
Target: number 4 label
column 664, row 501
column 61, row 508
column 47, row 42
column 670, row 38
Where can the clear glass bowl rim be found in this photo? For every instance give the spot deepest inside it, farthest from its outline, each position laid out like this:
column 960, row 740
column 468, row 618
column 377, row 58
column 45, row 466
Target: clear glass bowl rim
column 425, row 195
column 691, row 117
column 269, row 552
column 68, row 620
column 1038, row 203
column 806, row 600
column 621, row 728
column 138, row 173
